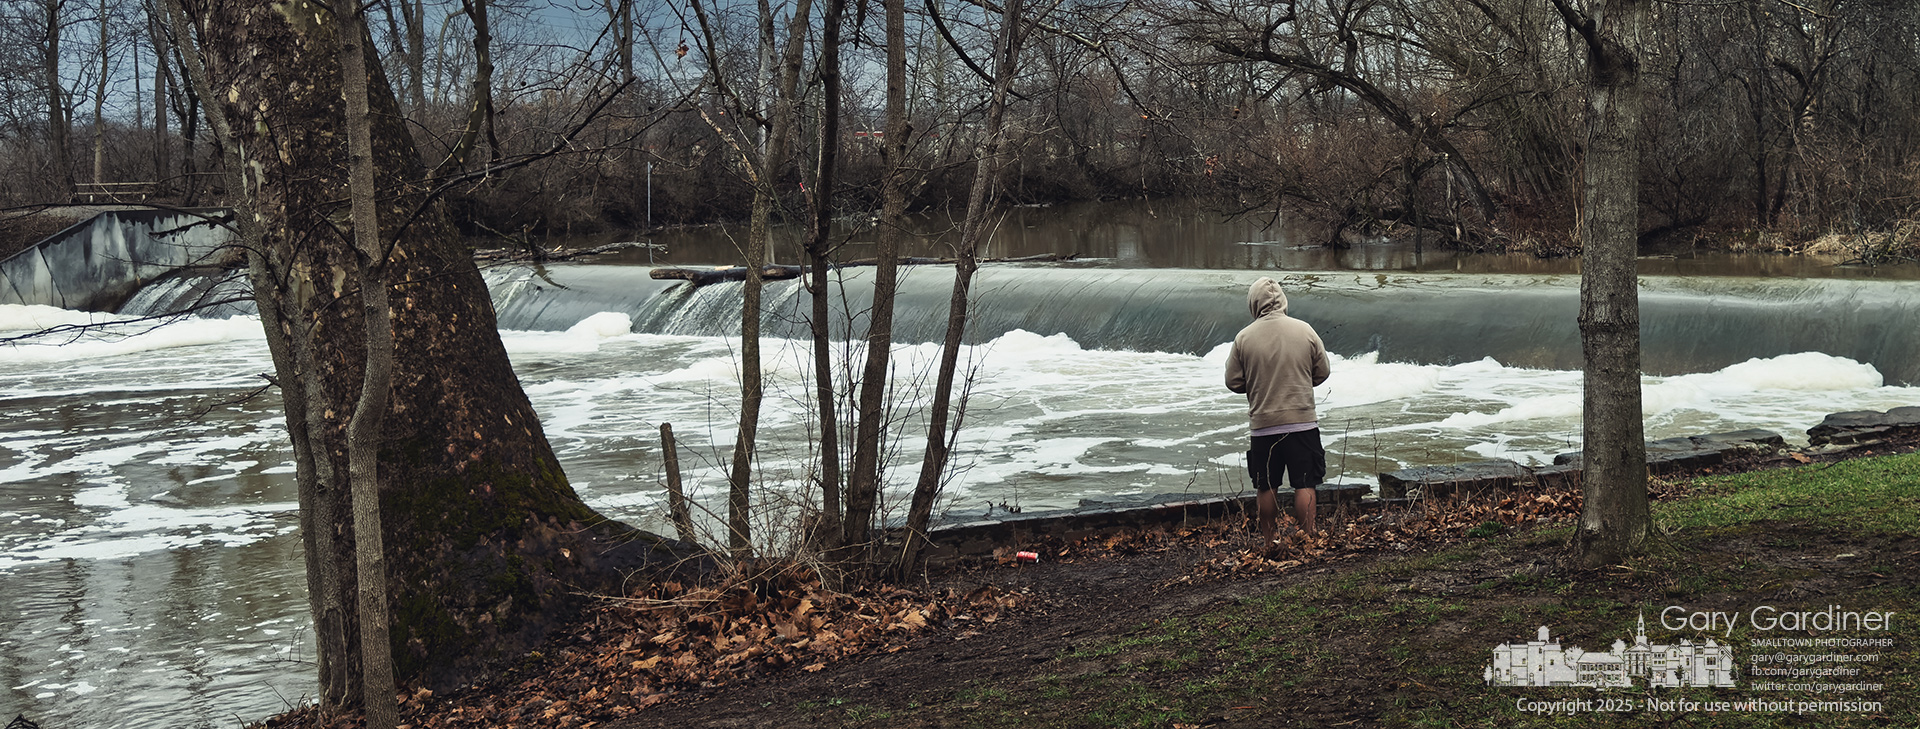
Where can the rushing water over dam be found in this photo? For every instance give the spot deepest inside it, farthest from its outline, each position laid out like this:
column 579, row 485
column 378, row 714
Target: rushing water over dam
column 1687, row 324
column 147, row 531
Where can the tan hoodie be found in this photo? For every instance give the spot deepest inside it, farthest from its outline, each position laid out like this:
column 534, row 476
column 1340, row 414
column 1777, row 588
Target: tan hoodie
column 1276, row 360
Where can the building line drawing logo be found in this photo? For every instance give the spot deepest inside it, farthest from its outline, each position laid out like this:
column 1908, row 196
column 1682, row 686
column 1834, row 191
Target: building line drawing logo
column 1544, row 662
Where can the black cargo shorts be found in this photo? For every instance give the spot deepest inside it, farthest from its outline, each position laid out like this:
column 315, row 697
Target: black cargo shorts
column 1297, row 455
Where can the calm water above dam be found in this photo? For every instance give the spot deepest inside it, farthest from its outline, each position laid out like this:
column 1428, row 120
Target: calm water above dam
column 1172, row 234
column 152, row 573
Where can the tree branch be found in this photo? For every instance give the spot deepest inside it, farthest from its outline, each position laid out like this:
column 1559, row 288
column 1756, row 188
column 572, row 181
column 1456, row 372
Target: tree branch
column 1580, row 23
column 712, row 53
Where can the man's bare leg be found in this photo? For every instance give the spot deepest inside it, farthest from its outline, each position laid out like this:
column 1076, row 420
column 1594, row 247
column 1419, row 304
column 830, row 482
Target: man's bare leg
column 1269, row 514
column 1305, row 508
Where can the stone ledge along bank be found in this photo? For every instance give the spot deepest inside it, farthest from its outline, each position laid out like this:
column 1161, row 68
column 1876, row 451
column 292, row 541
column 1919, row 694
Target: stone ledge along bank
column 962, row 537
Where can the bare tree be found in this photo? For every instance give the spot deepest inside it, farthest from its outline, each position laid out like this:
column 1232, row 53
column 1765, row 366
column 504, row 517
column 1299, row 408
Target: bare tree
column 162, row 75
column 370, row 411
column 865, row 481
column 765, row 151
column 819, row 252
column 480, row 117
column 105, row 52
column 980, row 209
column 1334, row 49
column 1614, row 521
column 409, row 34
column 59, row 119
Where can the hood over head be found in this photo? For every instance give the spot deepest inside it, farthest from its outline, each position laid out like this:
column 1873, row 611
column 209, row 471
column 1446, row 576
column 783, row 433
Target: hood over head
column 1265, row 297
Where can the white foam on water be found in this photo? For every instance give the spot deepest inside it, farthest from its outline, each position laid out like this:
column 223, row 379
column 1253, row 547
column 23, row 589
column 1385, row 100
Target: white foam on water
column 1559, row 405
column 1803, row 372
column 1169, row 442
column 99, row 455
column 1058, row 455
column 127, row 530
column 1796, row 383
column 1047, row 413
column 35, row 317
column 98, row 460
column 127, row 338
column 584, row 337
column 1365, row 380
column 1048, row 420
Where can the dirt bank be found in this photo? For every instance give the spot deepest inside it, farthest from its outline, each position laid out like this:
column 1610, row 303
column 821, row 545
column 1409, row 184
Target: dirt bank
column 1397, row 636
column 1389, row 622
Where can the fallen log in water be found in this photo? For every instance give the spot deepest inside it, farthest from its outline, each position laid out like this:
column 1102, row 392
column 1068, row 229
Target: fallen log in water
column 704, row 276
column 539, row 254
column 920, row 261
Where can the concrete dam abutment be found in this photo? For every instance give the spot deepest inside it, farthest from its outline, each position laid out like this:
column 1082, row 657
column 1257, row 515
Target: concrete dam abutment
column 100, row 262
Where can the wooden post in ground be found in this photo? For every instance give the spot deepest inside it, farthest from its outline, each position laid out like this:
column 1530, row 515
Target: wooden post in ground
column 676, row 497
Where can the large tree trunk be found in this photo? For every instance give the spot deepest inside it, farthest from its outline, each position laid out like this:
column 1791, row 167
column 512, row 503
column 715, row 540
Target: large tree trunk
column 487, row 546
column 1614, row 522
column 864, row 483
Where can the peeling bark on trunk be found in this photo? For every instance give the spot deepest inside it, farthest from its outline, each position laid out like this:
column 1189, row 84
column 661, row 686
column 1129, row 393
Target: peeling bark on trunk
column 487, row 546
column 1614, row 522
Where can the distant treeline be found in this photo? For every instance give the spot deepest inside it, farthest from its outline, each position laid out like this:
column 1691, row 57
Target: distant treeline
column 1461, row 119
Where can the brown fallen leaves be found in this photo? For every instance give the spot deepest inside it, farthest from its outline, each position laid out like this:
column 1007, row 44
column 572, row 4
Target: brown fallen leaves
column 636, row 651
column 1341, row 536
column 1429, row 522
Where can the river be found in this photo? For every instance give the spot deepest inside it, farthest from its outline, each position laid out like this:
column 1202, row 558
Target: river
column 148, row 552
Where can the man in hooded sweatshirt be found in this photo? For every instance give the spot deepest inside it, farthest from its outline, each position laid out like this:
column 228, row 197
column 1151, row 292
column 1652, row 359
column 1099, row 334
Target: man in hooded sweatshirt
column 1276, row 361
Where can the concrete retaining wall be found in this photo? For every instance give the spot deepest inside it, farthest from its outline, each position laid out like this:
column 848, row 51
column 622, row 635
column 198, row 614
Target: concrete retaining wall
column 100, row 262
